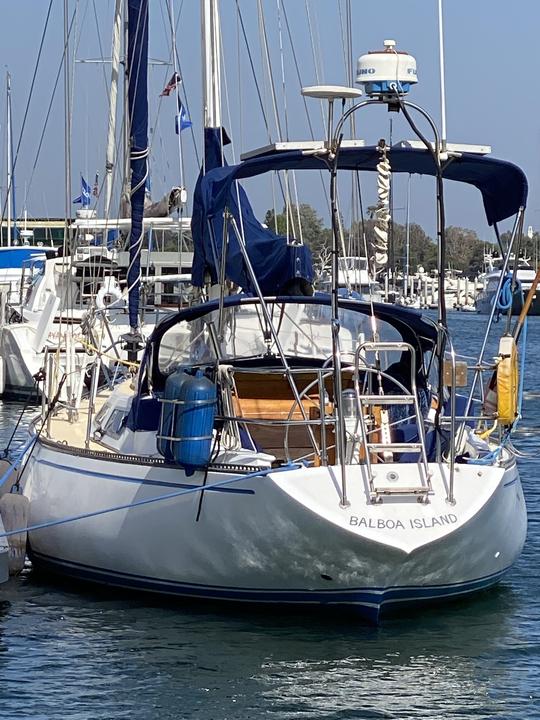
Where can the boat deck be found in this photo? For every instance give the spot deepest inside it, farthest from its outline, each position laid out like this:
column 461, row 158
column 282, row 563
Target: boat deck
column 73, row 433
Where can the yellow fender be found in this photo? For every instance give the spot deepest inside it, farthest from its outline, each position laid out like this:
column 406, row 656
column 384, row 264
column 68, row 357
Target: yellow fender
column 507, row 381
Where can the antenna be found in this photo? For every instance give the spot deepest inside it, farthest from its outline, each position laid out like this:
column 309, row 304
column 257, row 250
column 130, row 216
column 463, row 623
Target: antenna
column 441, row 68
column 331, row 93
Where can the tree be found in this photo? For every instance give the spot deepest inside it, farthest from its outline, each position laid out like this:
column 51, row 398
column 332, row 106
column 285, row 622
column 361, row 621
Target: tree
column 422, row 249
column 464, row 250
column 311, row 229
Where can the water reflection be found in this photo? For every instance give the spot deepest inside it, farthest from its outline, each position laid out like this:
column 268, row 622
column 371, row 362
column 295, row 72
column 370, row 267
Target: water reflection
column 108, row 648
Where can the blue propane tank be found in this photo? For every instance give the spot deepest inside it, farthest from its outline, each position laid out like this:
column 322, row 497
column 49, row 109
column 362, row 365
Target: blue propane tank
column 194, row 422
column 173, row 386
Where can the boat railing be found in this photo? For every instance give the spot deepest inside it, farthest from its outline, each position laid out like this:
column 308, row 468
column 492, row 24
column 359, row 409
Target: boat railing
column 377, row 403
column 451, row 354
column 258, row 408
column 456, row 369
column 31, row 269
column 386, row 414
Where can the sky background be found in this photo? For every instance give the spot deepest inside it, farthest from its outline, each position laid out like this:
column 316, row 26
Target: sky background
column 491, row 79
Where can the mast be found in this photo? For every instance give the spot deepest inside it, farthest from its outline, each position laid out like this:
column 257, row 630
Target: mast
column 124, row 196
column 213, row 135
column 137, row 76
column 67, row 128
column 8, row 157
column 211, row 63
column 111, row 134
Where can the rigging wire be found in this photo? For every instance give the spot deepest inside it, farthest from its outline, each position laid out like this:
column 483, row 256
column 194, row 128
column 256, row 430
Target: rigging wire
column 27, row 108
column 283, row 86
column 102, row 54
column 300, row 85
column 49, row 109
column 286, row 119
column 344, row 34
column 239, row 81
column 290, row 219
column 357, row 209
column 259, row 95
column 170, row 8
column 315, row 55
column 68, row 119
column 227, row 103
column 266, row 61
column 252, row 66
column 297, row 68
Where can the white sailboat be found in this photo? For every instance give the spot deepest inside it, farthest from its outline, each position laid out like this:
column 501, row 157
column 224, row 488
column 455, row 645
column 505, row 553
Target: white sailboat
column 282, row 449
column 82, row 299
column 18, row 250
column 70, row 307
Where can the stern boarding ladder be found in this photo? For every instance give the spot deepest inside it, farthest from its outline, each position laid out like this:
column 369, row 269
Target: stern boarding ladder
column 375, row 400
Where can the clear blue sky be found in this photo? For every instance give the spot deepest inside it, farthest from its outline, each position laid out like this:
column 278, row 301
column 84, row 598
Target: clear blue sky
column 491, row 76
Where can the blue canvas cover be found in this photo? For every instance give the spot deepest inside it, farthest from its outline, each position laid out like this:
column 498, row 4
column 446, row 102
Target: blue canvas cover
column 138, row 115
column 276, row 262
column 502, row 184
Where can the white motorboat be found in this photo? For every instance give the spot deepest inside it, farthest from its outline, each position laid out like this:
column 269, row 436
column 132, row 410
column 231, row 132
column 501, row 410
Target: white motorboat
column 290, row 450
column 502, row 291
column 353, row 276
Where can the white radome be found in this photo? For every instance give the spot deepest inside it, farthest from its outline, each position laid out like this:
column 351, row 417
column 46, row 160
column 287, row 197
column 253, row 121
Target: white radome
column 386, row 66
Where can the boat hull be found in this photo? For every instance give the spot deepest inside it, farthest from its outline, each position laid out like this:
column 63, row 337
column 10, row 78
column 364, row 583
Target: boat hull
column 484, row 303
column 281, row 539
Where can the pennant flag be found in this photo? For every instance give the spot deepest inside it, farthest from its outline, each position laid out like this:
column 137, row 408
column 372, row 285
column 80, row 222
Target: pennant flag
column 95, row 190
column 86, row 194
column 169, row 87
column 181, row 121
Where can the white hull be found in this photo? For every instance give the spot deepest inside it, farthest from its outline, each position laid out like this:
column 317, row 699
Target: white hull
column 276, row 539
column 22, row 361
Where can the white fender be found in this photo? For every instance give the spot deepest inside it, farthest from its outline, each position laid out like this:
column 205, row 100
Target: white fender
column 14, row 514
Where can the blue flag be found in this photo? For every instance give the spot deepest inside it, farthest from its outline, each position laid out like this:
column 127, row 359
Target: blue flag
column 85, row 197
column 181, row 121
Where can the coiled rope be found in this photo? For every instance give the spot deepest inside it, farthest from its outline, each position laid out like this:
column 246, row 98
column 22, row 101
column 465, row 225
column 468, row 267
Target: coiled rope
column 379, row 258
column 505, row 297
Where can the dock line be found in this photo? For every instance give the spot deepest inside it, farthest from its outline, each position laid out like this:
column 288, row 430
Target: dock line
column 168, row 496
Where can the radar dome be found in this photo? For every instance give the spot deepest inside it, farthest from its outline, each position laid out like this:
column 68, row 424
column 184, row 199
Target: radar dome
column 386, row 73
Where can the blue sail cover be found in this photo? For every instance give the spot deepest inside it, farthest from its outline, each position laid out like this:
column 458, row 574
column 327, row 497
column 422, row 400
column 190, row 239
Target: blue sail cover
column 137, row 71
column 502, row 184
column 276, row 262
